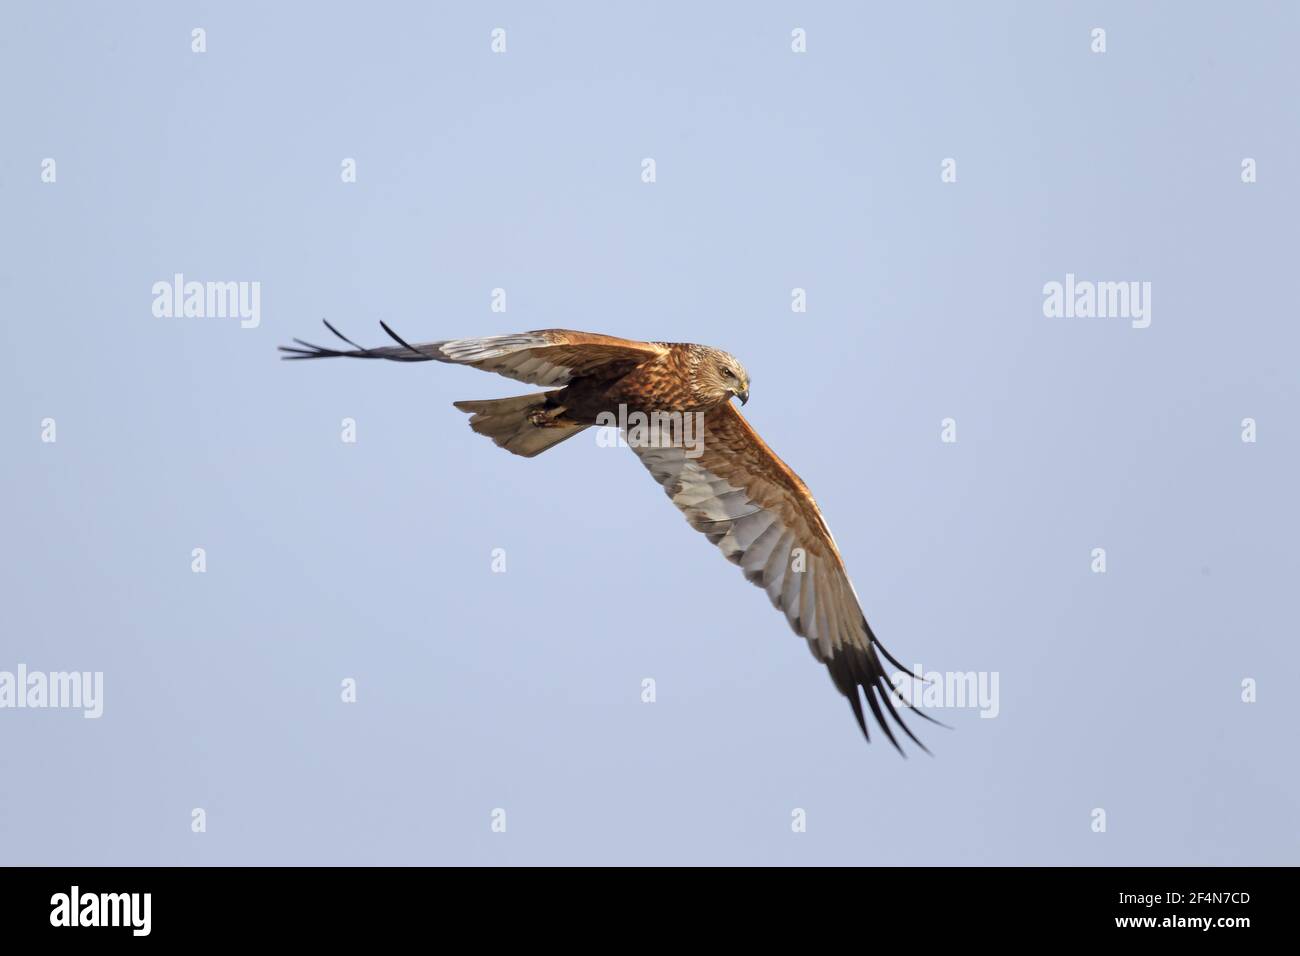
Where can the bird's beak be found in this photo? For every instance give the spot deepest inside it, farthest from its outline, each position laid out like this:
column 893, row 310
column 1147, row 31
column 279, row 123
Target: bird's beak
column 743, row 395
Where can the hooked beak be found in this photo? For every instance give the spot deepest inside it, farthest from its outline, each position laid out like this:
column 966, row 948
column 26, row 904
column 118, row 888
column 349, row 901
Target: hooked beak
column 743, row 395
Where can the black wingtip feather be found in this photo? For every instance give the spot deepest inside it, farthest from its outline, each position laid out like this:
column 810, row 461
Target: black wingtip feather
column 341, row 335
column 858, row 672
column 310, row 350
column 399, row 340
column 875, row 641
column 880, row 718
column 856, row 704
column 893, row 712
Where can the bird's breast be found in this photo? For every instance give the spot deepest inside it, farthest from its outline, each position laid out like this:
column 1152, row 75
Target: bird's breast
column 659, row 387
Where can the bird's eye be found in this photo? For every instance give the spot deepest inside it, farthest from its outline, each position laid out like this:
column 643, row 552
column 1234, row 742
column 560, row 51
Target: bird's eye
column 728, row 373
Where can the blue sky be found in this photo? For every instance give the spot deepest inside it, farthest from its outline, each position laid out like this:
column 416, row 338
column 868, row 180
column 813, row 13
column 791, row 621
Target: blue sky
column 371, row 560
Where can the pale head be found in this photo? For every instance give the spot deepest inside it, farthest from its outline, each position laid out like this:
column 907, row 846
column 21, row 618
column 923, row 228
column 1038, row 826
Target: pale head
column 718, row 376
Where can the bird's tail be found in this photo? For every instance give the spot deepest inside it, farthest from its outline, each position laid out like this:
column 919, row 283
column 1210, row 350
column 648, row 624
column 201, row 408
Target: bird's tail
column 524, row 425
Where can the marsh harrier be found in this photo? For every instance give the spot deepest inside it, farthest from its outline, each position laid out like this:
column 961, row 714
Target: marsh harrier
column 729, row 485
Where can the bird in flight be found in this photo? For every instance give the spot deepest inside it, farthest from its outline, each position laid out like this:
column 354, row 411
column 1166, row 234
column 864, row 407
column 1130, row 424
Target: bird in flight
column 729, row 484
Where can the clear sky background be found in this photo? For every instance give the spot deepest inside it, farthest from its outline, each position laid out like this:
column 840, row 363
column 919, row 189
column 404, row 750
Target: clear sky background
column 775, row 170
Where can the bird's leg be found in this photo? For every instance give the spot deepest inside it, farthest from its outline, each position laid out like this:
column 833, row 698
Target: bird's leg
column 547, row 417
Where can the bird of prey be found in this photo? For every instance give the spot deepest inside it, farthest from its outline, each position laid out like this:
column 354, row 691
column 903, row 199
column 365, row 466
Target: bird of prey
column 729, row 485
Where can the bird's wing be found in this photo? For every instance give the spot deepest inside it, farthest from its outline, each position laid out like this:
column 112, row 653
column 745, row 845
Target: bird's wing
column 763, row 518
column 550, row 357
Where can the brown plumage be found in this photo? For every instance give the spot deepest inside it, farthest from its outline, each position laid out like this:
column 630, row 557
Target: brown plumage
column 729, row 485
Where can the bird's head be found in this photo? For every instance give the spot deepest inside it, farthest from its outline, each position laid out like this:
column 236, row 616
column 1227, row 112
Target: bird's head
column 719, row 376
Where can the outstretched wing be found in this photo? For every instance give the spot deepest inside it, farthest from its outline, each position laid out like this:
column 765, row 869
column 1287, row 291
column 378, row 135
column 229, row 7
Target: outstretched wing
column 763, row 517
column 551, row 357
